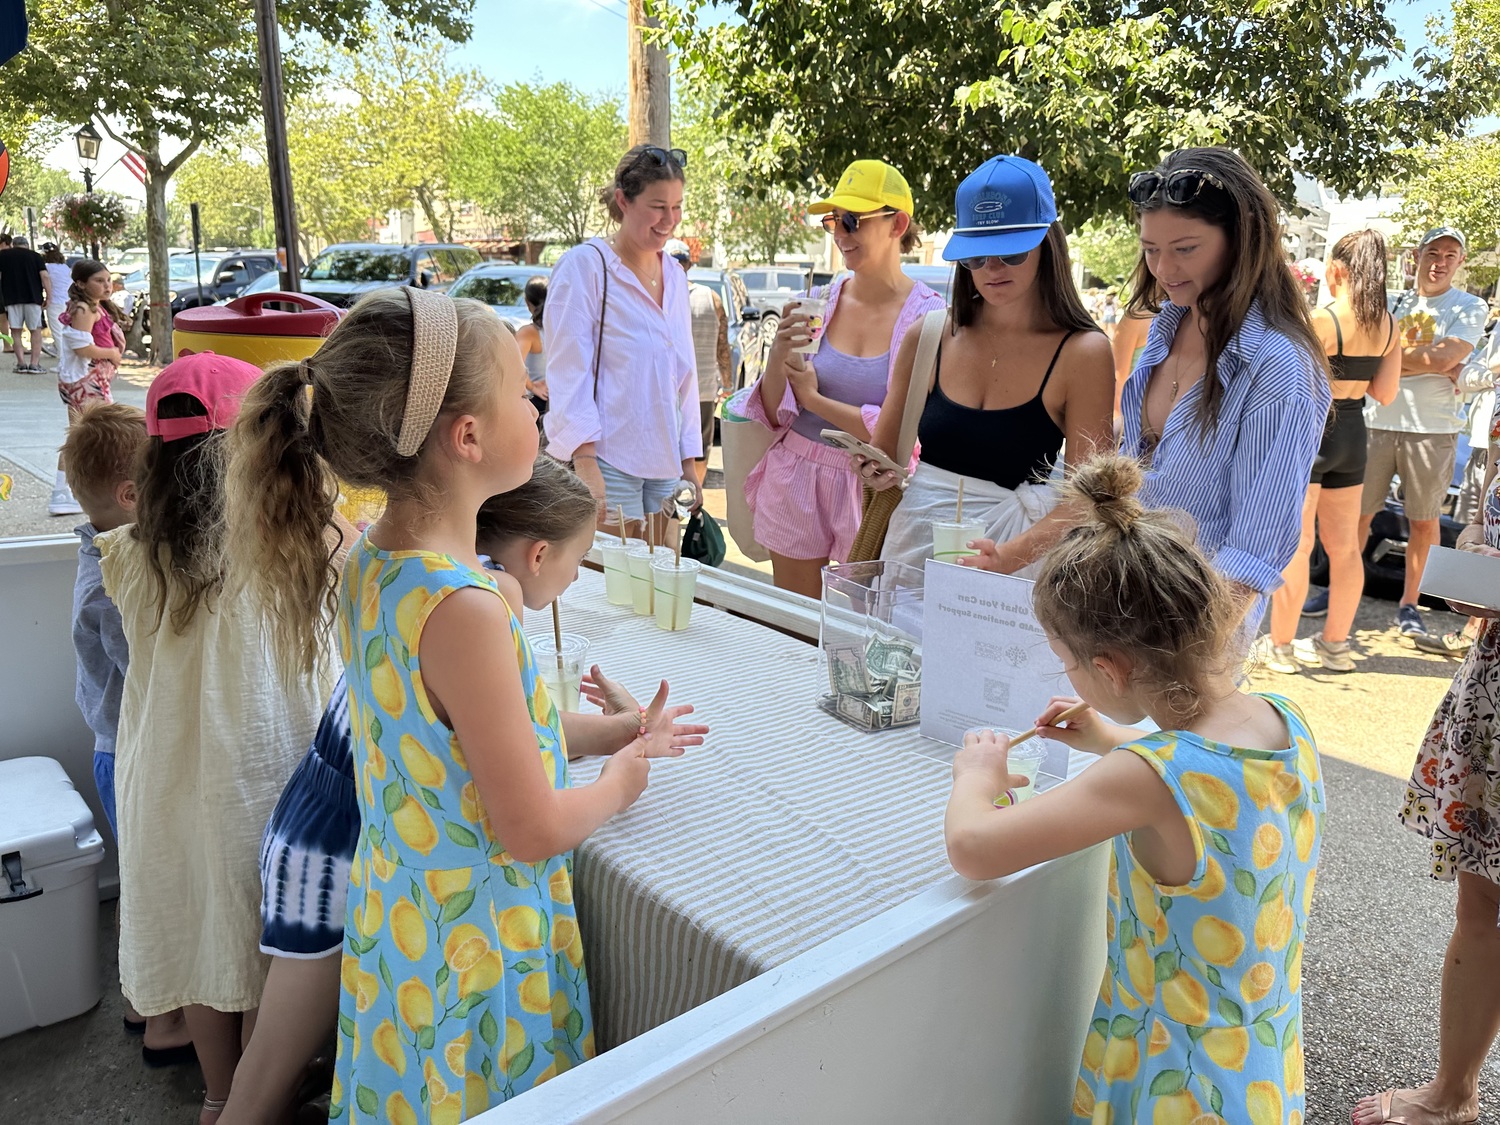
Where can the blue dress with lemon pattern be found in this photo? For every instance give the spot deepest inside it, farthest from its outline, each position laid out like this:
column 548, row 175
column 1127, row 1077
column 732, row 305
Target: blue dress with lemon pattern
column 463, row 979
column 1200, row 1015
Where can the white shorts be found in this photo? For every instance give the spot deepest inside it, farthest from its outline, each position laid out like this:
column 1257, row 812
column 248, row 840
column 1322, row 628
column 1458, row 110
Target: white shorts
column 24, row 316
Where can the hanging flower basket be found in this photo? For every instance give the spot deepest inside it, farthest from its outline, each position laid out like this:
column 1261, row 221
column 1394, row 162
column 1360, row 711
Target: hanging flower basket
column 85, row 218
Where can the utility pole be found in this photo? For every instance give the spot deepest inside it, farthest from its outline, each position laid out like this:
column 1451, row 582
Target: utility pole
column 650, row 110
column 273, row 105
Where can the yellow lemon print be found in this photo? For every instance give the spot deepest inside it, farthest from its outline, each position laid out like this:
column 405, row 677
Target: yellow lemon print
column 1294, row 1118
column 1141, row 970
column 366, row 990
column 388, row 1046
column 1307, row 891
column 520, row 929
column 1093, row 1052
column 338, row 1087
column 1228, row 1046
column 559, row 886
column 586, row 1046
column 1273, row 925
column 385, row 685
column 536, row 998
column 346, row 640
column 374, row 755
column 1294, row 970
column 1286, row 789
column 1307, row 760
column 398, row 1110
column 1161, row 1038
column 1106, row 989
column 409, row 930
column 1258, row 778
column 409, row 611
column 476, row 1094
column 1258, row 981
column 1176, row 1109
column 1114, row 880
column 1213, row 800
column 414, row 1002
column 1263, row 1103
column 464, row 947
column 546, row 1075
column 357, row 873
column 1212, row 884
column 1184, row 999
column 456, row 1052
column 382, row 865
column 1305, row 832
column 1143, row 890
column 456, row 752
column 1217, row 940
column 564, row 933
column 1122, row 1060
column 414, row 826
column 1103, row 1115
column 549, row 767
column 515, row 1041
column 1083, row 1100
column 349, row 974
column 369, row 599
column 1265, row 848
column 444, row 883
column 1295, row 1067
column 424, row 703
column 1109, row 926
column 469, row 804
column 421, row 766
column 1162, row 930
column 483, row 975
column 369, row 914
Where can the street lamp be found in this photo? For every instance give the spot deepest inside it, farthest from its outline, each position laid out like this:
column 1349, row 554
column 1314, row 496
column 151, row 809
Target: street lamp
column 88, row 140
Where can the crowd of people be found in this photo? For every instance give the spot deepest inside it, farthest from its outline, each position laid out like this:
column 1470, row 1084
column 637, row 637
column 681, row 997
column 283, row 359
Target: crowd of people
column 341, row 790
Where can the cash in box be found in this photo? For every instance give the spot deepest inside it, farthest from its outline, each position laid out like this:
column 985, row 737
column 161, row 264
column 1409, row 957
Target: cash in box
column 870, row 637
column 49, row 897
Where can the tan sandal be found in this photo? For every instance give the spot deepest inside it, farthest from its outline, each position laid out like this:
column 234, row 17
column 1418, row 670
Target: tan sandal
column 1384, row 1099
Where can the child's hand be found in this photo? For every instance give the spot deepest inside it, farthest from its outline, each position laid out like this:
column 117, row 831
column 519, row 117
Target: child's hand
column 628, row 769
column 607, row 695
column 1086, row 731
column 984, row 755
column 665, row 737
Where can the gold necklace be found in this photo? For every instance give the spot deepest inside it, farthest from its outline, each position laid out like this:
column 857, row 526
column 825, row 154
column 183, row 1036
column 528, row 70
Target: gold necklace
column 651, row 281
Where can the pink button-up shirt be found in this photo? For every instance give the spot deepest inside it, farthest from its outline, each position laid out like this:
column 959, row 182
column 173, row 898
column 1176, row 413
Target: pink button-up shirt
column 644, row 418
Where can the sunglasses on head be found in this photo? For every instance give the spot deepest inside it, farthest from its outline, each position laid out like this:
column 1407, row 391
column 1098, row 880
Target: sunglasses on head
column 1178, row 188
column 660, row 156
column 972, row 264
column 849, row 221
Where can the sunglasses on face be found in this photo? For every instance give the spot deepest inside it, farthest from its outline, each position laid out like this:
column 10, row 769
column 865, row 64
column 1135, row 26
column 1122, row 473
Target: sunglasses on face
column 1179, row 188
column 660, row 156
column 972, row 264
column 849, row 221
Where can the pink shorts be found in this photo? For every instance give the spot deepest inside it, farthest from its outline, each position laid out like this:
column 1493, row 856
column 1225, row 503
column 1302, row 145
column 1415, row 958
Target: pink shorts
column 806, row 498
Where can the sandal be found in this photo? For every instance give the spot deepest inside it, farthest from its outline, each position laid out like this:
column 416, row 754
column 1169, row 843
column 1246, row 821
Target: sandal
column 168, row 1056
column 134, row 1027
column 1385, row 1097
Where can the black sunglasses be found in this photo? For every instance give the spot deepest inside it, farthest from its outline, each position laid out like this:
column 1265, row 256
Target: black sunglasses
column 850, row 221
column 1179, row 189
column 972, row 264
column 660, row 156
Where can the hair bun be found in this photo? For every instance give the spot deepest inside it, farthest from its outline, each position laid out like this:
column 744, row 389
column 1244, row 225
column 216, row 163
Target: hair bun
column 1108, row 485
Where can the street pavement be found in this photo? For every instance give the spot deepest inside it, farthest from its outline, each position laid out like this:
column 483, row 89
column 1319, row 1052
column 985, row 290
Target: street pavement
column 1375, row 944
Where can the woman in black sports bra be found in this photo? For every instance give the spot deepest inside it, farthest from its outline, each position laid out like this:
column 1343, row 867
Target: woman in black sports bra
column 1352, row 328
column 1021, row 367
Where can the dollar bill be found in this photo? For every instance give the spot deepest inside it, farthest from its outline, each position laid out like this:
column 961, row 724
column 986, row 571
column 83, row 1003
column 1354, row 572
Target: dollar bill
column 906, row 705
column 848, row 674
column 886, row 656
column 855, row 710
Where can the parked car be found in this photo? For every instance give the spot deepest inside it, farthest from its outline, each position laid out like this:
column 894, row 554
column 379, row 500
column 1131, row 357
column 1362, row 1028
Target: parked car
column 134, row 258
column 937, row 278
column 746, row 357
column 500, row 285
column 208, row 277
column 343, row 273
column 768, row 288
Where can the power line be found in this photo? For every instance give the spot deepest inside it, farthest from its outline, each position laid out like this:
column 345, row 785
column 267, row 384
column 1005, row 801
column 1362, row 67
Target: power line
column 605, row 8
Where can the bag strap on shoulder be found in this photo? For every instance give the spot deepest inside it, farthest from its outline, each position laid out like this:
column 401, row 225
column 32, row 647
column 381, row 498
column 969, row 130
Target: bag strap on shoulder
column 923, row 370
column 603, row 304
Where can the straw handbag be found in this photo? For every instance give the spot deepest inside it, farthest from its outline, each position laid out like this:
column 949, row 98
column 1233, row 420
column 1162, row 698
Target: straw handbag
column 879, row 506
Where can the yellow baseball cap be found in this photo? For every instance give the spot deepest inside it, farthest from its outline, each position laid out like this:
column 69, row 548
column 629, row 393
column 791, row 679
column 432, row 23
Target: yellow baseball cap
column 867, row 185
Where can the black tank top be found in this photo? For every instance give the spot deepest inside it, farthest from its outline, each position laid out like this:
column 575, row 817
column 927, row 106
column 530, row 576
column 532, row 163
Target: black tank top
column 1009, row 447
column 1356, row 368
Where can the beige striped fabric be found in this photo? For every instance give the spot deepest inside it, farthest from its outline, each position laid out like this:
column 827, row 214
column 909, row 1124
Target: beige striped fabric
column 786, row 829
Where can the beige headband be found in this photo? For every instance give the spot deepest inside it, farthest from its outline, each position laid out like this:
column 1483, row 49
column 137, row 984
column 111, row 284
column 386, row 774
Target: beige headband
column 434, row 320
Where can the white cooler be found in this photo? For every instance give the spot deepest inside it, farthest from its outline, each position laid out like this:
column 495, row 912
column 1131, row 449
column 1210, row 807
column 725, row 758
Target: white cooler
column 49, row 897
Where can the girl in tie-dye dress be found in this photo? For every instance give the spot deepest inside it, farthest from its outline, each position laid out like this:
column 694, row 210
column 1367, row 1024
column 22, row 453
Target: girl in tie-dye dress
column 1215, row 822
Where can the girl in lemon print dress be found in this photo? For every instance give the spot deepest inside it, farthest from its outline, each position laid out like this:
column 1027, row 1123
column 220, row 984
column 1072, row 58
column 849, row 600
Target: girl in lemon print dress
column 1215, row 823
column 463, row 977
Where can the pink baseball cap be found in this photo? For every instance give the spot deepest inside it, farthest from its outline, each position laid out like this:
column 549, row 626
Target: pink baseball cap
column 218, row 382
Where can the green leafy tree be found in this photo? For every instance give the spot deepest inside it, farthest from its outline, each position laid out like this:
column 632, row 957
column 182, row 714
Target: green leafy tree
column 32, row 184
column 758, row 229
column 1107, row 249
column 1458, row 184
column 537, row 159
column 1089, row 91
column 233, row 190
column 165, row 76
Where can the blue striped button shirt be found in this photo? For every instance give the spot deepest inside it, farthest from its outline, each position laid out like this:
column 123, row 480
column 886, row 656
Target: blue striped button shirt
column 1245, row 483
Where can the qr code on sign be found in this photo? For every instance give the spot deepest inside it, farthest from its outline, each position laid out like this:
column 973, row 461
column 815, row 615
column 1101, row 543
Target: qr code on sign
column 996, row 692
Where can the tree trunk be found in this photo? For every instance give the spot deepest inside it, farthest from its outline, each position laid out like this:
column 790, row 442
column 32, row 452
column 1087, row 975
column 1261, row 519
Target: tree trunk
column 649, row 107
column 156, row 247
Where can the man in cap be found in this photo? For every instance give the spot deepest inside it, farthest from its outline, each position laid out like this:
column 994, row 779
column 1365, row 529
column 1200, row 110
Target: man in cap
column 1416, row 436
column 710, row 347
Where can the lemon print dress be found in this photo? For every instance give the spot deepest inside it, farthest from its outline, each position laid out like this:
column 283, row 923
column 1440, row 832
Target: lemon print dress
column 463, row 980
column 1200, row 1015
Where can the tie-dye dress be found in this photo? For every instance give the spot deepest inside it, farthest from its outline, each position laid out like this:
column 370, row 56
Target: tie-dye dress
column 463, row 979
column 1200, row 1015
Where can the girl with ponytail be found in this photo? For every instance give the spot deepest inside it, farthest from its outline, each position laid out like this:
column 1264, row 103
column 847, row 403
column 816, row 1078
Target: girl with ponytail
column 1214, row 820
column 1364, row 357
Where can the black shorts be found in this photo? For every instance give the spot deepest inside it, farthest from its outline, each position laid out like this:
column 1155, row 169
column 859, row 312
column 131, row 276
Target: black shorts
column 1341, row 458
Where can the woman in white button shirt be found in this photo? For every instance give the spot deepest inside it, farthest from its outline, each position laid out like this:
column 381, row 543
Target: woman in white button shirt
column 621, row 371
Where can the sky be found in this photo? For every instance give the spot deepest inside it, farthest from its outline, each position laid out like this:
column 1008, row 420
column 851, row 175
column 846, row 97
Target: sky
column 581, row 42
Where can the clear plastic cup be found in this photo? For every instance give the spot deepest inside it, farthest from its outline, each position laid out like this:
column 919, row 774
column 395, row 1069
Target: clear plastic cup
column 950, row 539
column 1025, row 759
column 563, row 685
column 617, row 569
column 675, row 581
column 816, row 309
column 641, row 589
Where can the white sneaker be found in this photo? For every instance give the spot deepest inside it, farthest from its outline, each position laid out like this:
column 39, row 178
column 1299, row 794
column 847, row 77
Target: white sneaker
column 1278, row 658
column 63, row 503
column 1318, row 653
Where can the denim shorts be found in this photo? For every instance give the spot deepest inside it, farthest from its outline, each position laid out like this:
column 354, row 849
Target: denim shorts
column 635, row 494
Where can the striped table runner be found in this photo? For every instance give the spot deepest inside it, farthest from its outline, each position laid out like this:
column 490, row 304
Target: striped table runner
column 786, row 829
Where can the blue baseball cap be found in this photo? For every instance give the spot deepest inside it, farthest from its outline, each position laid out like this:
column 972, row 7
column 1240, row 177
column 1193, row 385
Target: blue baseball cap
column 1004, row 207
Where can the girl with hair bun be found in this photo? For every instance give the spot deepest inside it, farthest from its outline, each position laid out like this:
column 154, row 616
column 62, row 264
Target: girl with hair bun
column 1215, row 819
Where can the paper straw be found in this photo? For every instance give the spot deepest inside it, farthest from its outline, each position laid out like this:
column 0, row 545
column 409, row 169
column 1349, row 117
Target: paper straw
column 960, row 499
column 557, row 636
column 1071, row 713
column 676, row 547
column 622, row 524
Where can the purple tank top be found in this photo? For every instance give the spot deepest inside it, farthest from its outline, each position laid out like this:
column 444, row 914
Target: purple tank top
column 856, row 380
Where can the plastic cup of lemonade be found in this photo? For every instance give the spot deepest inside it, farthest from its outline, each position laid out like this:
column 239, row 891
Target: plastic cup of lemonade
column 951, row 539
column 617, row 569
column 675, row 581
column 564, row 685
column 639, row 560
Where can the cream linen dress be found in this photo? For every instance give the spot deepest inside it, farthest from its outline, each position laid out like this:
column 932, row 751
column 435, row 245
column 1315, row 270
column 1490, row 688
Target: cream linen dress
column 208, row 737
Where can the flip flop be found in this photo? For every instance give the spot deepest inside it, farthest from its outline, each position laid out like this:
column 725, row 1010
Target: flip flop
column 1385, row 1097
column 134, row 1027
column 168, row 1056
